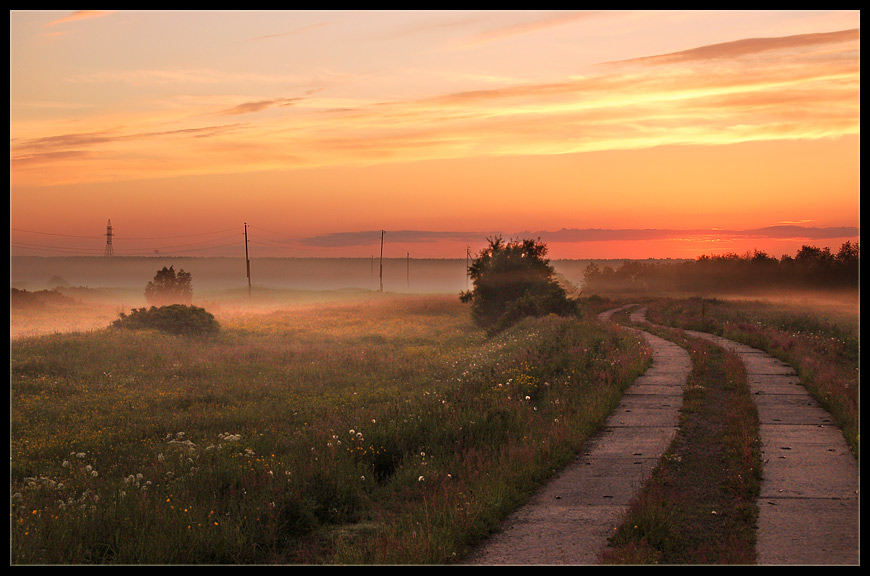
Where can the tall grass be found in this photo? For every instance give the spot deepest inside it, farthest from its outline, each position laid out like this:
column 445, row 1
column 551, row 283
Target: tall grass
column 387, row 431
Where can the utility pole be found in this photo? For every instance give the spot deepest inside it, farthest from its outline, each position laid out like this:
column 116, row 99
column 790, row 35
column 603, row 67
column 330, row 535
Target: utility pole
column 247, row 261
column 409, row 270
column 382, row 260
column 467, row 265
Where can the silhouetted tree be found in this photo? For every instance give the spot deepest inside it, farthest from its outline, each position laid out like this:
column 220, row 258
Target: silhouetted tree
column 513, row 280
column 169, row 287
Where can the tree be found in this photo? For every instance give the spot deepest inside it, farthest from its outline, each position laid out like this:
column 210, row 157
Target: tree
column 169, row 287
column 513, row 280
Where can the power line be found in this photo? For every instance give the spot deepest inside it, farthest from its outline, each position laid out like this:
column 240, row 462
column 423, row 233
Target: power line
column 53, row 234
column 55, row 248
column 124, row 237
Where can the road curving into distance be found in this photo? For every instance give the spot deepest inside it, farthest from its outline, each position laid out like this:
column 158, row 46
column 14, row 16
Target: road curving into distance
column 571, row 518
column 809, row 502
column 808, row 509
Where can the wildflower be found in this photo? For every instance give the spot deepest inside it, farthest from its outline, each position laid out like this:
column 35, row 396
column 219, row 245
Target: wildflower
column 420, row 479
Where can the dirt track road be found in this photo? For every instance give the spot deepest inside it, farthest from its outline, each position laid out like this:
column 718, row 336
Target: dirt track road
column 570, row 519
column 809, row 502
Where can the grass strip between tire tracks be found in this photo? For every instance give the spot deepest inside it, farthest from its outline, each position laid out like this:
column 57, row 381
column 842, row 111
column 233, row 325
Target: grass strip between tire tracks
column 699, row 507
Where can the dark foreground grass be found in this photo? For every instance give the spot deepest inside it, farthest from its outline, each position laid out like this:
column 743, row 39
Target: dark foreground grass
column 699, row 504
column 383, row 432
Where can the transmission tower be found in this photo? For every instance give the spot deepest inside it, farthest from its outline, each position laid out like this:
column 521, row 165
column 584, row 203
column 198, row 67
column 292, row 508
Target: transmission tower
column 109, row 233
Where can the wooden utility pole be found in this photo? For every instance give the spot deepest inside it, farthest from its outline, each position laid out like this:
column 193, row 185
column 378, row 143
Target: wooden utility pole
column 467, row 265
column 382, row 260
column 247, row 261
column 409, row 270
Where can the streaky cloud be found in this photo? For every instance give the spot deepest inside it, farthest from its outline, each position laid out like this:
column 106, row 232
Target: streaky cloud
column 527, row 27
column 249, row 107
column 747, row 47
column 578, row 235
column 299, row 30
column 67, row 145
column 81, row 15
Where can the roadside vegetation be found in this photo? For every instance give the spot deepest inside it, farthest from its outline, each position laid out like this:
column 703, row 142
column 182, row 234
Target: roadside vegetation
column 387, row 431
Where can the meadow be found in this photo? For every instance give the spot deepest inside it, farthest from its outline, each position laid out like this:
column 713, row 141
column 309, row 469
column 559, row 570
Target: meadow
column 354, row 427
column 376, row 429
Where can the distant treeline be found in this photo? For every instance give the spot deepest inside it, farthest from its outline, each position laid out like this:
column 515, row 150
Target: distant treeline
column 811, row 267
column 23, row 298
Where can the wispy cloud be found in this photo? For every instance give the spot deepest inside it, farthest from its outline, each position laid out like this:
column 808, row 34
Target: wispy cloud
column 81, row 15
column 751, row 46
column 794, row 87
column 770, row 92
column 248, row 107
column 294, row 32
column 526, row 27
column 575, row 236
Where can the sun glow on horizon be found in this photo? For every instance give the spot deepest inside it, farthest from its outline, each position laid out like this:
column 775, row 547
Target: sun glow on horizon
column 322, row 122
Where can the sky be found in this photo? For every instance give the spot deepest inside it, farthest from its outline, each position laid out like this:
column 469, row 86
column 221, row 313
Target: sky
column 606, row 134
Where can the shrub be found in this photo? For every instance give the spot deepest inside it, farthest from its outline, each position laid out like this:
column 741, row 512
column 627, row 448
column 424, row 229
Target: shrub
column 174, row 319
column 514, row 280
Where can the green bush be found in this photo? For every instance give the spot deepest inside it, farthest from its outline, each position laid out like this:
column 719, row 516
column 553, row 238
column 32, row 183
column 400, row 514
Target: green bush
column 514, row 280
column 174, row 319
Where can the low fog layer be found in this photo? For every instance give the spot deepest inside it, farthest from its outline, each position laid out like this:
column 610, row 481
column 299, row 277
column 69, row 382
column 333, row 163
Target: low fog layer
column 216, row 274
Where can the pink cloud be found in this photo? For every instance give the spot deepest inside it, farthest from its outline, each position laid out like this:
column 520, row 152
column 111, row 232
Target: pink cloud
column 81, row 15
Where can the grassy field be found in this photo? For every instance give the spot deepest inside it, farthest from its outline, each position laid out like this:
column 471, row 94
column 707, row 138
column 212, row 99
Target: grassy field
column 373, row 430
column 368, row 429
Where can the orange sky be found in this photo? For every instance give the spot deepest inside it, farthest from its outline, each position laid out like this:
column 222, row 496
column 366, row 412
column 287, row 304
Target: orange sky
column 320, row 129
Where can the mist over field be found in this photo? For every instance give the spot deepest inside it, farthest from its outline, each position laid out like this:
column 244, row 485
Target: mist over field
column 219, row 274
column 97, row 289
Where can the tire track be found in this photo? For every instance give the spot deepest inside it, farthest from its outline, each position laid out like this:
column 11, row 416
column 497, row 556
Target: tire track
column 571, row 518
column 809, row 505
